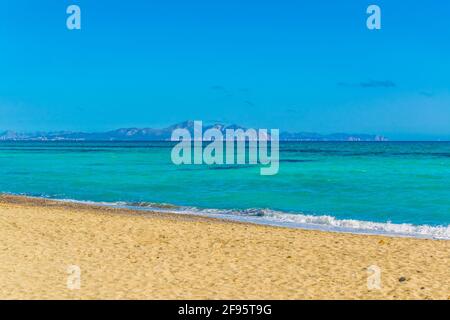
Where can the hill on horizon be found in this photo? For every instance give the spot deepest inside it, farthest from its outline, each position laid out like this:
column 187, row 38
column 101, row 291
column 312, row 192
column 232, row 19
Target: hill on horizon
column 164, row 134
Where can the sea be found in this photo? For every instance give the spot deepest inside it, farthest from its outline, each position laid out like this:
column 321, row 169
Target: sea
column 389, row 188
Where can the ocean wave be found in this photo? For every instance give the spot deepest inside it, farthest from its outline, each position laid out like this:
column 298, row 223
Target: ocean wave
column 285, row 219
column 330, row 223
column 295, row 220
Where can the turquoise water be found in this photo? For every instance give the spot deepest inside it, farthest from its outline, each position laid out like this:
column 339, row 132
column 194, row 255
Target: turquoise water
column 381, row 187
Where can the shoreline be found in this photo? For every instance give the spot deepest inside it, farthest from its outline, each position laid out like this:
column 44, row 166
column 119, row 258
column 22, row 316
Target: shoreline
column 126, row 254
column 323, row 223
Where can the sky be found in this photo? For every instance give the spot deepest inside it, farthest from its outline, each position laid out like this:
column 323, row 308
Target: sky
column 293, row 65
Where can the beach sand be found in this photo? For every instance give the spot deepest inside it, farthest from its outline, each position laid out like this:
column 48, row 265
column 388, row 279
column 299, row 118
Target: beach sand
column 124, row 254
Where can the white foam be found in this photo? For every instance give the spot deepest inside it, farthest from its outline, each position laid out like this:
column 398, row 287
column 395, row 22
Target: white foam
column 328, row 223
column 406, row 229
column 294, row 220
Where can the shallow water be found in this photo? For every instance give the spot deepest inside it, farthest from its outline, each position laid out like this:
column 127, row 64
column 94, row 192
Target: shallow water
column 394, row 187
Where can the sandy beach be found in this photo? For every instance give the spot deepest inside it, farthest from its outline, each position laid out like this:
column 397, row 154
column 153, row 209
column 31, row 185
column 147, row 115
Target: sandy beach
column 124, row 254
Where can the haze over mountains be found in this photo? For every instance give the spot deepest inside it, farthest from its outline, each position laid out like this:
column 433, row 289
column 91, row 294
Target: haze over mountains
column 151, row 134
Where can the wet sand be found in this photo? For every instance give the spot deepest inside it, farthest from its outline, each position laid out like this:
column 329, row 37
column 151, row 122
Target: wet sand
column 125, row 254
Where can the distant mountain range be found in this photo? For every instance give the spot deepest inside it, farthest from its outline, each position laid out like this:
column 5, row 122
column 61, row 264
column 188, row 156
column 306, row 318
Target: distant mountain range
column 150, row 134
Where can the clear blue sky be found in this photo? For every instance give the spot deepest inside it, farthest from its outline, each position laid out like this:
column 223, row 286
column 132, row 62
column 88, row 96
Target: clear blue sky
column 295, row 65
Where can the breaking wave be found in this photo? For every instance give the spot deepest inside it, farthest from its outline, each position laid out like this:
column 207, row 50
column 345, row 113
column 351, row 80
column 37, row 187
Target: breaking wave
column 293, row 220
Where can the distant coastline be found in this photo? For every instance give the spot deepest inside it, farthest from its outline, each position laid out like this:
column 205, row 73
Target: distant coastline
column 164, row 134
